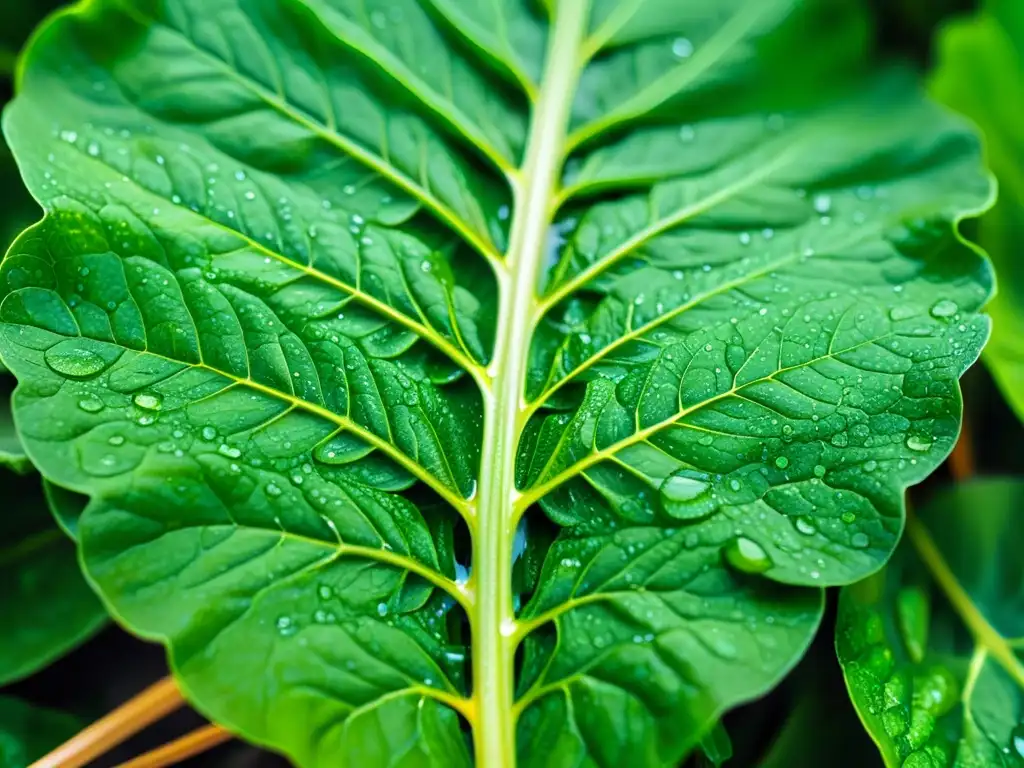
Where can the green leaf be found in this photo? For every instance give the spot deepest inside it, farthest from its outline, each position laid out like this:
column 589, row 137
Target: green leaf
column 47, row 606
column 28, row 732
column 12, row 453
column 931, row 646
column 439, row 400
column 716, row 746
column 981, row 74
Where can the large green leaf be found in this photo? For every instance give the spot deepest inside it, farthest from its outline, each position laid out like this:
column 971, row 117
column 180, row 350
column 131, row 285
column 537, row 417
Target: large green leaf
column 326, row 288
column 981, row 73
column 931, row 646
column 28, row 732
column 47, row 606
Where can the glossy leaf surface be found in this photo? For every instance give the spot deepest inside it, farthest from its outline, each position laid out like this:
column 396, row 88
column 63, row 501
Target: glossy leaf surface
column 658, row 318
column 981, row 74
column 931, row 646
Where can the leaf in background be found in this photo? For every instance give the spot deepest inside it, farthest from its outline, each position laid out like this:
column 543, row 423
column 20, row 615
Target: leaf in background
column 931, row 646
column 28, row 732
column 12, row 453
column 281, row 325
column 981, row 74
column 47, row 606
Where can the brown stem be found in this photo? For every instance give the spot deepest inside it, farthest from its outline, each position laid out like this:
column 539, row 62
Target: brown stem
column 191, row 744
column 961, row 460
column 155, row 702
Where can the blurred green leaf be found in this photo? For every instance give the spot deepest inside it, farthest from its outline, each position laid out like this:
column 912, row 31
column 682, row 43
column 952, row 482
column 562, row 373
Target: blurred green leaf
column 930, row 647
column 46, row 605
column 981, row 74
column 28, row 732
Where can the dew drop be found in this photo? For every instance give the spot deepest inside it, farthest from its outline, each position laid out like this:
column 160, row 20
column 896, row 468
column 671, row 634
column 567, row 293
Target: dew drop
column 69, row 359
column 148, row 402
column 687, row 495
column 208, row 433
column 805, row 526
column 325, row 592
column 781, row 462
column 822, row 203
column 90, row 405
column 747, row 556
column 273, row 490
column 919, row 443
column 382, row 609
column 682, row 48
column 944, row 308
column 858, row 540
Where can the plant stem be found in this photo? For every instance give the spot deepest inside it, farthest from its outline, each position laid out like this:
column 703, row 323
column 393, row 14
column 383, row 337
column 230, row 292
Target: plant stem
column 131, row 717
column 191, row 744
column 505, row 412
column 984, row 633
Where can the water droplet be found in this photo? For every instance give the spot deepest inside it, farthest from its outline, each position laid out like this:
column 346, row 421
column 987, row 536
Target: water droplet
column 819, row 470
column 919, row 443
column 903, row 312
column 682, row 48
column 116, row 440
column 382, row 609
column 805, row 526
column 208, row 433
column 782, row 462
column 226, row 450
column 687, row 495
column 69, row 359
column 944, row 308
column 325, row 592
column 148, row 402
column 687, row 133
column 90, row 404
column 747, row 556
column 858, row 540
column 822, row 203
column 273, row 490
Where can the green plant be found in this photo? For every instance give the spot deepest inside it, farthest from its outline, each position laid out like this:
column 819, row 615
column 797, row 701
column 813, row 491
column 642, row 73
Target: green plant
column 511, row 404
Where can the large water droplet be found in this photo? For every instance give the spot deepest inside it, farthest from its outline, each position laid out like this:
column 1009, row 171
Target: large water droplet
column 687, row 495
column 69, row 358
column 90, row 404
column 919, row 443
column 805, row 526
column 913, row 616
column 148, row 402
column 747, row 556
column 944, row 308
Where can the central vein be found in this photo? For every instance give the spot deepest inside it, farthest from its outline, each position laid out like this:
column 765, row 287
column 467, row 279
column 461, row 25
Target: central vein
column 493, row 619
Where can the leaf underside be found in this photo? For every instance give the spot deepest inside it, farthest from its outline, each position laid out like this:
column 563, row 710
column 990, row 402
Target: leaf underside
column 458, row 381
column 931, row 647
